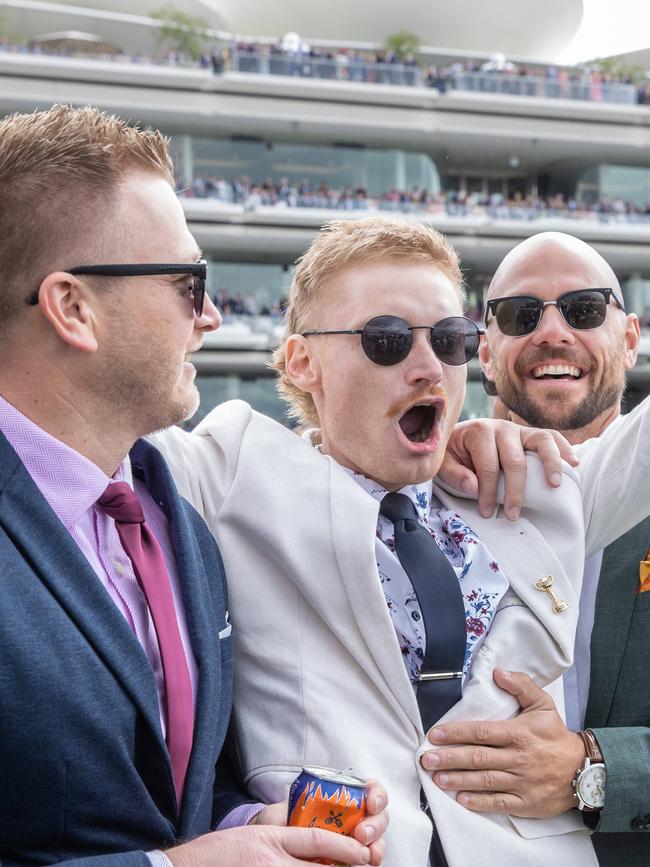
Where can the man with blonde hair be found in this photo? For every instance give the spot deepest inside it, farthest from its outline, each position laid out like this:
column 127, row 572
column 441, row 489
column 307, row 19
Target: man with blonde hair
column 371, row 603
column 115, row 646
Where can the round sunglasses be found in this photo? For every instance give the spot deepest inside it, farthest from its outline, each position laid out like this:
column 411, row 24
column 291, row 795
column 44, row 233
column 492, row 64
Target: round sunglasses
column 581, row 309
column 388, row 340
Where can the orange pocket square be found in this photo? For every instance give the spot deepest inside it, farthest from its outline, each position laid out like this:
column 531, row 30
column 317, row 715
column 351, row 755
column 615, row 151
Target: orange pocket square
column 644, row 574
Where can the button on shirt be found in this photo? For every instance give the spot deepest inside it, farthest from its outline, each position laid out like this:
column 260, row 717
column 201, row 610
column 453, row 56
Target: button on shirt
column 482, row 582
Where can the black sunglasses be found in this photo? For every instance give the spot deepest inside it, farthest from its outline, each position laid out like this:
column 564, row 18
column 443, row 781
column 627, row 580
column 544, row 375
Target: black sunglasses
column 198, row 270
column 582, row 309
column 388, row 340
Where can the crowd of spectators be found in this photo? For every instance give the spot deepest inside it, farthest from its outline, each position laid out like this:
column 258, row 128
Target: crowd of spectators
column 159, row 58
column 497, row 75
column 251, row 195
column 579, row 82
column 385, row 67
column 235, row 304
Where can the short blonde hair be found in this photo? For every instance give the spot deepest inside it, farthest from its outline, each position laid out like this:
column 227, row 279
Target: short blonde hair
column 339, row 244
column 59, row 170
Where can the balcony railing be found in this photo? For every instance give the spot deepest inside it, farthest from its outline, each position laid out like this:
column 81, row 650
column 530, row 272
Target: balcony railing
column 304, row 66
column 555, row 86
column 539, row 86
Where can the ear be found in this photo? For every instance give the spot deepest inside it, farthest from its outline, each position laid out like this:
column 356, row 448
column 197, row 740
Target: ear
column 485, row 358
column 301, row 364
column 632, row 337
column 65, row 303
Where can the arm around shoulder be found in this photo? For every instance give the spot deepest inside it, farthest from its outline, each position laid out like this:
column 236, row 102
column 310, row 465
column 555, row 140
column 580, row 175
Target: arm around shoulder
column 614, row 473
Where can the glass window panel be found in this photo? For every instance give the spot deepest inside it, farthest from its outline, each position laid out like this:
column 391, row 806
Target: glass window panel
column 632, row 184
column 477, row 404
column 249, row 288
column 259, row 392
column 608, row 182
column 337, row 167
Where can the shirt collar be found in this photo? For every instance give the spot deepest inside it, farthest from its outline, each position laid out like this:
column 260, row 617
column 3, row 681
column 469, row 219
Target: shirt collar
column 70, row 482
column 420, row 494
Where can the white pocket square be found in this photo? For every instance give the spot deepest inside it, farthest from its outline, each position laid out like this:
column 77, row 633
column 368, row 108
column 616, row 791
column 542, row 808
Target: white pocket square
column 225, row 632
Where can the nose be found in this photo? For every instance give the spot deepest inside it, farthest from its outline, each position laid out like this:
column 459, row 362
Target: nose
column 210, row 318
column 552, row 328
column 423, row 365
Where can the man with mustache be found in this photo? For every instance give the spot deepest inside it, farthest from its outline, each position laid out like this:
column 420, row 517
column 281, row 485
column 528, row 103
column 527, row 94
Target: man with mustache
column 555, row 361
column 370, row 603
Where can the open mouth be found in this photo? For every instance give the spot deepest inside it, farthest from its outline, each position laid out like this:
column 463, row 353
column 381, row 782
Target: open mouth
column 563, row 372
column 418, row 421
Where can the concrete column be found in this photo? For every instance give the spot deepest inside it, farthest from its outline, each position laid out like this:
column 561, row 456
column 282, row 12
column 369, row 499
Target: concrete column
column 186, row 156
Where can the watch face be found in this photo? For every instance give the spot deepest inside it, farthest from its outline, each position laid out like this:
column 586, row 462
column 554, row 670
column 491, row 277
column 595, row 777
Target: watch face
column 591, row 786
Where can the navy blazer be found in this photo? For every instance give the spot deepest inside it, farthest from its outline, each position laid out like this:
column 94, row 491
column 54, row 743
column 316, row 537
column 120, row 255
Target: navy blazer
column 84, row 768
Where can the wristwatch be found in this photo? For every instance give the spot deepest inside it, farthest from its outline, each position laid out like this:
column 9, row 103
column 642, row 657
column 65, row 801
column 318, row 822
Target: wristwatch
column 589, row 784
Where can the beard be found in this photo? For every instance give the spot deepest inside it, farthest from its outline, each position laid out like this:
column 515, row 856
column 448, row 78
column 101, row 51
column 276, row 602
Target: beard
column 553, row 410
column 148, row 391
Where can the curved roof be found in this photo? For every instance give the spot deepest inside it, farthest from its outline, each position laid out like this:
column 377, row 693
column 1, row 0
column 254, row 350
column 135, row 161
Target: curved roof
column 539, row 31
column 524, row 29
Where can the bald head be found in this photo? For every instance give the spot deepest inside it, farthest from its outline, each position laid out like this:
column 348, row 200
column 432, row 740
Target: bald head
column 548, row 372
column 551, row 254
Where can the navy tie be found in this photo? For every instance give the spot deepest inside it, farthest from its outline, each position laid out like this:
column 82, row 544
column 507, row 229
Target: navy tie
column 442, row 605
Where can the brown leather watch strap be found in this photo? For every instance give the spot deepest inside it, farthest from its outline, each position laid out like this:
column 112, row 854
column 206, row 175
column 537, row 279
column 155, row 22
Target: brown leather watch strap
column 591, row 746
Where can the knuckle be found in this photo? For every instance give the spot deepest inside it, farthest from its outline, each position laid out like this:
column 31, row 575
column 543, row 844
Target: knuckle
column 489, row 469
column 520, row 760
column 479, row 757
column 517, row 462
column 482, row 733
column 488, row 781
column 315, row 840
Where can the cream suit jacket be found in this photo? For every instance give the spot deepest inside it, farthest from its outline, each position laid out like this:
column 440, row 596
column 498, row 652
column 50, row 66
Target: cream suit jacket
column 319, row 677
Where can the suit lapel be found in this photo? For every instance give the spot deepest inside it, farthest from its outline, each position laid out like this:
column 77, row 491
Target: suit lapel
column 353, row 515
column 56, row 559
column 617, row 585
column 201, row 620
column 524, row 557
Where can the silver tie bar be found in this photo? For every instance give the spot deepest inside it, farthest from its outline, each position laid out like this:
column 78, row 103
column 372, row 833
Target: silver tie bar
column 439, row 675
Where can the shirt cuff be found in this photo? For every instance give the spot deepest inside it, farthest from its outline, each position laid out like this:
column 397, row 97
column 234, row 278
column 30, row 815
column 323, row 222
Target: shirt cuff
column 241, row 815
column 158, row 859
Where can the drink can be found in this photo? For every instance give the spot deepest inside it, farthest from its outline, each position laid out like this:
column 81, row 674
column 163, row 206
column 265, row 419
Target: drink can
column 328, row 799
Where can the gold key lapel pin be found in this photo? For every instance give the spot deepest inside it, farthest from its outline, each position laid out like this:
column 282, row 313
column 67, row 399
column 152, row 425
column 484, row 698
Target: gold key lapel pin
column 546, row 586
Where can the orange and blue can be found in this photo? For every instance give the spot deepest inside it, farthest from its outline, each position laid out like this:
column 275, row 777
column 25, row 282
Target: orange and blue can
column 328, row 799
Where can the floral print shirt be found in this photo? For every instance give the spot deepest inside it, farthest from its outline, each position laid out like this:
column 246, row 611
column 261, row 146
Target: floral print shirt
column 482, row 582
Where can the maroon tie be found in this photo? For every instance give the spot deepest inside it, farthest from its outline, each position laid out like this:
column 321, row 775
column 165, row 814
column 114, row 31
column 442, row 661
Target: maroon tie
column 121, row 503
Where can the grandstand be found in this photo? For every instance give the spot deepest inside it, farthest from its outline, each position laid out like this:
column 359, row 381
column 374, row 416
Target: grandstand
column 481, row 135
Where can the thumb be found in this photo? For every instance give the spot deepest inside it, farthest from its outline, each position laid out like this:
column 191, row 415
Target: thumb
column 524, row 689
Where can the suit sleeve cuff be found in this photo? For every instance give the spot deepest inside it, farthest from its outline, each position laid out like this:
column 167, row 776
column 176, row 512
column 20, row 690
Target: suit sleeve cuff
column 158, row 859
column 242, row 815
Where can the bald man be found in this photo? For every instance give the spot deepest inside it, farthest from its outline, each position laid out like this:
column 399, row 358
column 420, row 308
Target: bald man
column 557, row 347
